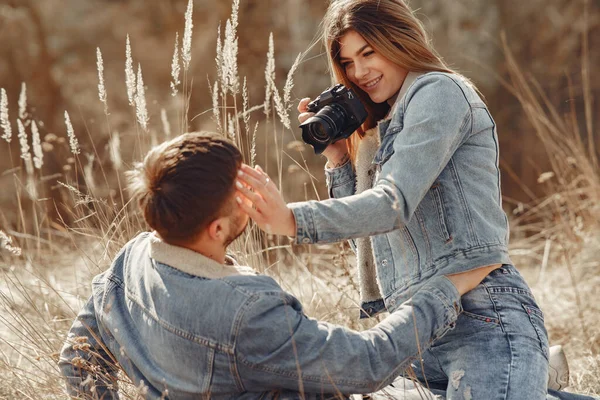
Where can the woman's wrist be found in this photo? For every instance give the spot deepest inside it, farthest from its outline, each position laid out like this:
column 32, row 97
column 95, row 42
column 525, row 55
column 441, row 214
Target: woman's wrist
column 337, row 161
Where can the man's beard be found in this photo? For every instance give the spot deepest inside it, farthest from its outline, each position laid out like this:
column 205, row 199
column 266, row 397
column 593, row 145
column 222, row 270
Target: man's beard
column 235, row 222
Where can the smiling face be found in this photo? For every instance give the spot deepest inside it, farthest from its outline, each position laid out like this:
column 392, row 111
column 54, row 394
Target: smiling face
column 377, row 76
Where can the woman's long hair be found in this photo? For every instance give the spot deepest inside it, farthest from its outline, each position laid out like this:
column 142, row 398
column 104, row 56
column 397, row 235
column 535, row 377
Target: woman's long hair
column 392, row 30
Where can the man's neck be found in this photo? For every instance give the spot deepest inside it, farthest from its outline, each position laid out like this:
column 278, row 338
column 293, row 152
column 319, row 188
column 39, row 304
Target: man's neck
column 211, row 249
column 216, row 253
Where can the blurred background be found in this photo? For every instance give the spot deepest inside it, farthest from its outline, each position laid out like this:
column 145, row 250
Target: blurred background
column 51, row 46
column 535, row 62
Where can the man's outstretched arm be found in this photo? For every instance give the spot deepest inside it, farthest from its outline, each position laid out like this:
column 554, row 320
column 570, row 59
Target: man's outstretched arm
column 88, row 368
column 278, row 347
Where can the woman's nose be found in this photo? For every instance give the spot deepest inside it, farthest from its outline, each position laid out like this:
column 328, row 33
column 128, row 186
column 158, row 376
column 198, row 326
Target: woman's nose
column 361, row 70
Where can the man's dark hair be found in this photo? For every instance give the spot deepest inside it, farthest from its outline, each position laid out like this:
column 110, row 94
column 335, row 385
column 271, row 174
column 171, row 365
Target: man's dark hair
column 186, row 183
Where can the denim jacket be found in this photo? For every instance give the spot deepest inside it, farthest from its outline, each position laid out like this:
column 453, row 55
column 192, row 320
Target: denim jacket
column 183, row 326
column 435, row 207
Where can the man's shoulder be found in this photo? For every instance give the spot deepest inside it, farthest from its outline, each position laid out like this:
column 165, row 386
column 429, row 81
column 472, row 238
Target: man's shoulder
column 254, row 284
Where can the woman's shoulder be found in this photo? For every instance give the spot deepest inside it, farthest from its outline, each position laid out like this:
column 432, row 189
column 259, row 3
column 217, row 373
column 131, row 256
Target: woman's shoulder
column 432, row 87
column 437, row 82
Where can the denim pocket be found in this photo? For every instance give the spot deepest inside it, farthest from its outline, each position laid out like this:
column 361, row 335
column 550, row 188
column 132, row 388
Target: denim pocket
column 493, row 322
column 536, row 317
column 438, row 199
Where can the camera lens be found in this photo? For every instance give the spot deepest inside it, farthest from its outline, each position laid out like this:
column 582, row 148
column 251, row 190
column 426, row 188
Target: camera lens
column 319, row 132
column 326, row 124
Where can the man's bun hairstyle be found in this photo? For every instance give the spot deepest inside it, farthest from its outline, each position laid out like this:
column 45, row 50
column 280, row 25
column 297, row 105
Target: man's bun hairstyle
column 184, row 184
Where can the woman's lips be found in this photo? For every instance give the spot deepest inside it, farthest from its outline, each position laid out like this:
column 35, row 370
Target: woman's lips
column 370, row 85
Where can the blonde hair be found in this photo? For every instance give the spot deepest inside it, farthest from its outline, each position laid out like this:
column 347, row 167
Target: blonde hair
column 392, row 30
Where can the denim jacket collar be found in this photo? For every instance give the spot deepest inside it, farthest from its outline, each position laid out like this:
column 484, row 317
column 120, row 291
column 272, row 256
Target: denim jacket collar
column 192, row 262
column 382, row 125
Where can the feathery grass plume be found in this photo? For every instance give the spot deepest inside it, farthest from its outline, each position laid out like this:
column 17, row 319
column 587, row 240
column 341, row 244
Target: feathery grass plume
column 101, row 87
column 140, row 101
column 88, row 172
column 73, row 142
column 38, row 154
column 230, row 52
column 219, row 56
column 81, row 198
column 6, row 243
column 4, row 121
column 175, row 68
column 231, row 127
column 26, row 156
column 23, row 102
column 246, row 105
column 280, row 107
column 186, row 51
column 129, row 74
column 253, row 148
column 115, row 150
column 214, row 93
column 235, row 9
column 269, row 75
column 289, row 83
column 165, row 122
column 25, row 150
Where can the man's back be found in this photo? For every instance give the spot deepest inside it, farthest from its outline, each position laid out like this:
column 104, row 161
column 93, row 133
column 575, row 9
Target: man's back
column 173, row 327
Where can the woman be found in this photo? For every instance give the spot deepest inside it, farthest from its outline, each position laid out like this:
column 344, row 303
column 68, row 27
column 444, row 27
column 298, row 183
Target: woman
column 417, row 191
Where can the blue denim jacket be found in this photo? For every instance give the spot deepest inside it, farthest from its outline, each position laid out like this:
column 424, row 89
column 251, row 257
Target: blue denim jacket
column 435, row 207
column 185, row 327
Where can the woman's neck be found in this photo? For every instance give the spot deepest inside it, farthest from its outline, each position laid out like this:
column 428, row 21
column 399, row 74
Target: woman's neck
column 392, row 100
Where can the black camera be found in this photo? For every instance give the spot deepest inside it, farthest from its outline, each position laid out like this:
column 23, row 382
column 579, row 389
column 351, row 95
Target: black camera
column 338, row 113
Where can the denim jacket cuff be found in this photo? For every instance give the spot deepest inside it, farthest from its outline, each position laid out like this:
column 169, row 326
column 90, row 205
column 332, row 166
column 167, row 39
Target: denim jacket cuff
column 305, row 222
column 442, row 288
column 339, row 176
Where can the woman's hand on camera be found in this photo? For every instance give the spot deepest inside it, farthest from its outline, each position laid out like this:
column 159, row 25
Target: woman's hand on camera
column 270, row 212
column 304, row 114
column 336, row 153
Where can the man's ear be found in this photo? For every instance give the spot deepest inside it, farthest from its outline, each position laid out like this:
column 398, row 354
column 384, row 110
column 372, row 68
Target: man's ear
column 217, row 230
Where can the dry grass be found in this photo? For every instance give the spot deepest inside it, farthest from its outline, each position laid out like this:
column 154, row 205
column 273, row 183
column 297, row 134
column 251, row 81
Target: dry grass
column 44, row 285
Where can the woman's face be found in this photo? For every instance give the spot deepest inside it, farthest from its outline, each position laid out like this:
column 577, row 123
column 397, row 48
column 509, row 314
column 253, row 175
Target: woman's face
column 380, row 78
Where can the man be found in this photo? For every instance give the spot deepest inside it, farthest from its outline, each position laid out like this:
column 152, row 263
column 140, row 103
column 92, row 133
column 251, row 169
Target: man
column 183, row 321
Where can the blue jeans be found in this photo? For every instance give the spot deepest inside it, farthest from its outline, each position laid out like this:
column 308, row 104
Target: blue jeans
column 498, row 349
column 405, row 389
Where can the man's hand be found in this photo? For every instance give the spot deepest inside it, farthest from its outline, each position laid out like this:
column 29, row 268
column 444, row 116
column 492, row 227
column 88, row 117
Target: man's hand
column 270, row 212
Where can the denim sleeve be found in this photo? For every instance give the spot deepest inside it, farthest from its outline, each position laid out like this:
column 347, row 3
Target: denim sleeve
column 278, row 347
column 436, row 122
column 84, row 363
column 341, row 180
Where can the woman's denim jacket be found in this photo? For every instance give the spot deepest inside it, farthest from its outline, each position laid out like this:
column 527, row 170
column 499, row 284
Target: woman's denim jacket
column 183, row 326
column 435, row 207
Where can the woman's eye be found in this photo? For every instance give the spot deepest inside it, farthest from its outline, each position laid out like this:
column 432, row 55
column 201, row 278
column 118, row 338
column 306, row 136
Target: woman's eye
column 368, row 53
column 346, row 65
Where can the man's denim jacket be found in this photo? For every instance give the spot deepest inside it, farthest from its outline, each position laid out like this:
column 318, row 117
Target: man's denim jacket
column 183, row 326
column 435, row 207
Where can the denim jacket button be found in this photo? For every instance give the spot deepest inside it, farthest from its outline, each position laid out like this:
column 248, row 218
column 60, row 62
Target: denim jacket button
column 384, row 263
column 306, row 240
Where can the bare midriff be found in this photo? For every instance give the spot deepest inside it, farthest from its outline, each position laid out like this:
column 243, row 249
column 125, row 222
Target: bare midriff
column 468, row 280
